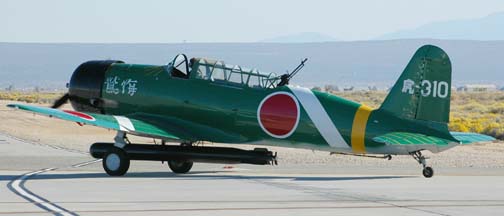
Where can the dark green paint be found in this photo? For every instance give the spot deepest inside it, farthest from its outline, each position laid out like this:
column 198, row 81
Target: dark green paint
column 196, row 109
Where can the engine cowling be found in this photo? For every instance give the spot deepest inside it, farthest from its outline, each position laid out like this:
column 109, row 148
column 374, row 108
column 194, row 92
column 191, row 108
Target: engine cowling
column 85, row 87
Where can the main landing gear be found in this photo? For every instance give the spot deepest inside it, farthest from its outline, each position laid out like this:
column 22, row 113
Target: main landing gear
column 116, row 161
column 427, row 170
column 179, row 166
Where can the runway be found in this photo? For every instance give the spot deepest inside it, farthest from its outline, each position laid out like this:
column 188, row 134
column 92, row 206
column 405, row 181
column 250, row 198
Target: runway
column 45, row 180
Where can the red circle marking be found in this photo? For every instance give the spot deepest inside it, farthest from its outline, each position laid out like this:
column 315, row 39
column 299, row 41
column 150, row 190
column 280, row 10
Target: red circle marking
column 279, row 114
column 80, row 115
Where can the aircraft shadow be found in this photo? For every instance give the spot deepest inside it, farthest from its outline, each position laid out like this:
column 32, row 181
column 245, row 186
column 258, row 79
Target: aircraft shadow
column 197, row 176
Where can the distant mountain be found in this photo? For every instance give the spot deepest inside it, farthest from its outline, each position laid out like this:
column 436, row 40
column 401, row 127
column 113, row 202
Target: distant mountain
column 304, row 37
column 358, row 63
column 487, row 28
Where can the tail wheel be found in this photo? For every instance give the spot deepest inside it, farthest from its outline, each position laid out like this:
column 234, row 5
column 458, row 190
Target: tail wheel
column 428, row 172
column 116, row 162
column 180, row 166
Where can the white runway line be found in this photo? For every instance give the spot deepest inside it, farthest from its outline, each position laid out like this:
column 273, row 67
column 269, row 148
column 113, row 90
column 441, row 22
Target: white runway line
column 17, row 186
column 19, row 189
column 86, row 163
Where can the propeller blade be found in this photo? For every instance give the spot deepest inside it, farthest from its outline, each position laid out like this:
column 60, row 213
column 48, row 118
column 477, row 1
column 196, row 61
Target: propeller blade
column 62, row 100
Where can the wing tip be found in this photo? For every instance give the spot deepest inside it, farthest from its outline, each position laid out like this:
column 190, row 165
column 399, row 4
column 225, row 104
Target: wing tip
column 15, row 106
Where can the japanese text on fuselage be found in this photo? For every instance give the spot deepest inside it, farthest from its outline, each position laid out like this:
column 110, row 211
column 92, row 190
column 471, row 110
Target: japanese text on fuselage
column 114, row 85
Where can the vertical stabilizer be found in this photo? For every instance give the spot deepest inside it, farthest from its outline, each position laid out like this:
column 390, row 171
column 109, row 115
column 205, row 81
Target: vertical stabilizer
column 423, row 90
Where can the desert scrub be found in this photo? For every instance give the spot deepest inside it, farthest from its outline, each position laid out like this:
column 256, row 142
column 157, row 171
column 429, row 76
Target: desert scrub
column 478, row 112
column 30, row 97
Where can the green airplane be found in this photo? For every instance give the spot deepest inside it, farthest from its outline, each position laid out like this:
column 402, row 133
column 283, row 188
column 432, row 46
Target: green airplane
column 201, row 100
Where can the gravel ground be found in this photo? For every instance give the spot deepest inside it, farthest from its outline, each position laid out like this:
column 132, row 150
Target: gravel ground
column 51, row 131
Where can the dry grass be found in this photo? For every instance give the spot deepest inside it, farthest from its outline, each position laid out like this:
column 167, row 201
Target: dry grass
column 30, row 97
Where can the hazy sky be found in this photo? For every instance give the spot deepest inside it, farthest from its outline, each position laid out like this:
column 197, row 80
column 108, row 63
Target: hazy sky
column 115, row 21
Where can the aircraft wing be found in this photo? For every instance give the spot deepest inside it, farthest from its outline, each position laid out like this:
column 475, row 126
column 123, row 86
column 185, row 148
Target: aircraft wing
column 405, row 138
column 120, row 123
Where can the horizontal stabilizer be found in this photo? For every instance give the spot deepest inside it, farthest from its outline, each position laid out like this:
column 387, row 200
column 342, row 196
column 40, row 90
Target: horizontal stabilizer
column 405, row 138
column 467, row 138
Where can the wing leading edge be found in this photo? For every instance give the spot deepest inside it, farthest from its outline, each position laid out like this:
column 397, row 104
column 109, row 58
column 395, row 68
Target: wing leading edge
column 120, row 123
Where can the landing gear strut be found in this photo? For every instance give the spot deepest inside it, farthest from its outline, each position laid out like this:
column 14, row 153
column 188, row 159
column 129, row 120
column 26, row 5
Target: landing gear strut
column 427, row 170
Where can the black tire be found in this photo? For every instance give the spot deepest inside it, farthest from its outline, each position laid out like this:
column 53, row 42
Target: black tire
column 428, row 172
column 180, row 167
column 116, row 162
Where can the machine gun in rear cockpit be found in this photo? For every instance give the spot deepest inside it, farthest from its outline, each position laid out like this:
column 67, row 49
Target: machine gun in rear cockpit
column 284, row 79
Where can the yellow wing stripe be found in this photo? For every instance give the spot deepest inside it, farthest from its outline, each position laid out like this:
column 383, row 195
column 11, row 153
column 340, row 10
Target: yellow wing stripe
column 359, row 129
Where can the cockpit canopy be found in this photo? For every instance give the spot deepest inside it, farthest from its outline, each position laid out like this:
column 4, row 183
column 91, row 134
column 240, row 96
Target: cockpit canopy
column 220, row 72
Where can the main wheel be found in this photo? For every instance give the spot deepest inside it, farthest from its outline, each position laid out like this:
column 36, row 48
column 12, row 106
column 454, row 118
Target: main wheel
column 428, row 172
column 116, row 162
column 180, row 166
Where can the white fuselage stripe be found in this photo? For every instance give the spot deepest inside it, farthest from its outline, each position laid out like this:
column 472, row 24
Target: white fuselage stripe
column 124, row 123
column 319, row 117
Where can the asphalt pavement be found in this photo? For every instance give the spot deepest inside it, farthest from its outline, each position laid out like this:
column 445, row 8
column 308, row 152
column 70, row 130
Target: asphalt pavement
column 44, row 180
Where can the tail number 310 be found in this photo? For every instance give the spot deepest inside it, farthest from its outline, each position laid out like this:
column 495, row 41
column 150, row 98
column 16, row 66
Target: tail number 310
column 436, row 89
